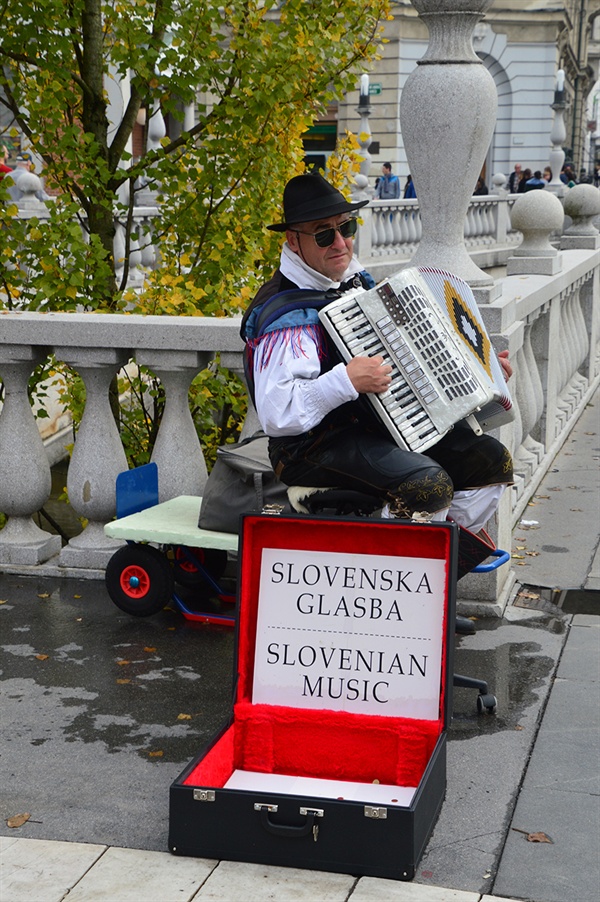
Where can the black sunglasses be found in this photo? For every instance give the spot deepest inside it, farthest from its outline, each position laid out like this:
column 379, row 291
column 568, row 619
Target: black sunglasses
column 326, row 237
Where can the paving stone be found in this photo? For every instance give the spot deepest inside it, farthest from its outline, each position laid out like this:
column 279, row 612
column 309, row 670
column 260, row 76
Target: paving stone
column 131, row 875
column 233, row 880
column 375, row 889
column 35, row 869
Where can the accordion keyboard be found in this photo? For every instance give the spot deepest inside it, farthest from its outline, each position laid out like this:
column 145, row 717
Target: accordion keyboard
column 432, row 385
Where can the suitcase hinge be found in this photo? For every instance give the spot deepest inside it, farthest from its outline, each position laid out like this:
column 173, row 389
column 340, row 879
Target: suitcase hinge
column 377, row 813
column 204, row 795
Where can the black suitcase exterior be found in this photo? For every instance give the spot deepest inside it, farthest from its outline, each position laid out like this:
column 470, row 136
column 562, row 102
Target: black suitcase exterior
column 306, row 830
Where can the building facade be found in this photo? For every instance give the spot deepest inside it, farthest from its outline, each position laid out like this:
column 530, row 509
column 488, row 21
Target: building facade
column 523, row 44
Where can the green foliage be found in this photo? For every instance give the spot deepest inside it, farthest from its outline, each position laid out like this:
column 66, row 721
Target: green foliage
column 257, row 73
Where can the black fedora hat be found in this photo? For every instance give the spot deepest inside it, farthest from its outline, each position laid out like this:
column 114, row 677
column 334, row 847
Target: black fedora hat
column 308, row 197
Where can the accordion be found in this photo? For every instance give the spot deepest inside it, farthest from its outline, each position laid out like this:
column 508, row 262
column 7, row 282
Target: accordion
column 425, row 323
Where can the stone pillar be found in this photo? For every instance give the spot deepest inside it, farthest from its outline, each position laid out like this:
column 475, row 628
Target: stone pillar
column 98, row 457
column 25, row 480
column 448, row 112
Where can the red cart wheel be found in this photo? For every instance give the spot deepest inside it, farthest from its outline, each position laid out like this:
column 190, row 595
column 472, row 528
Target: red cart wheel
column 187, row 573
column 139, row 580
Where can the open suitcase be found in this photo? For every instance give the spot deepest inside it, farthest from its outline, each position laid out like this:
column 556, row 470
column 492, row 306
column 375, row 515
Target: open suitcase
column 334, row 757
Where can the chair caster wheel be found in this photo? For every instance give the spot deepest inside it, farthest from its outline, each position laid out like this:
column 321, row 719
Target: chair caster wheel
column 464, row 626
column 487, row 704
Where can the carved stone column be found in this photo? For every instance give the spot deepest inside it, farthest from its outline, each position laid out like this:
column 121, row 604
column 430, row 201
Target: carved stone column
column 98, row 457
column 448, row 112
column 25, row 481
column 177, row 450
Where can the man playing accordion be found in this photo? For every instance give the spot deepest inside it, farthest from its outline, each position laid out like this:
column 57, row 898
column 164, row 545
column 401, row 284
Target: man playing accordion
column 309, row 402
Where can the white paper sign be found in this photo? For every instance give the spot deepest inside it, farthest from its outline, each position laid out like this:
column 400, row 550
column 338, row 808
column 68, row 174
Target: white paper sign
column 350, row 632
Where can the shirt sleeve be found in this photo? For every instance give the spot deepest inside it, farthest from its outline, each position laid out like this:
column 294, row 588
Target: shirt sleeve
column 292, row 395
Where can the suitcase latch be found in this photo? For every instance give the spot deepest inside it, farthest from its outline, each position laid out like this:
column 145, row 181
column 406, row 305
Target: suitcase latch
column 377, row 813
column 263, row 806
column 204, row 795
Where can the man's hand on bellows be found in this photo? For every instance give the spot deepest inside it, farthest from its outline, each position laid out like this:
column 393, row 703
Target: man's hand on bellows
column 369, row 374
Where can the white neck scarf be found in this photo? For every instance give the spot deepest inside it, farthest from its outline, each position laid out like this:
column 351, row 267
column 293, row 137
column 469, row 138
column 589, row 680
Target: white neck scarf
column 297, row 271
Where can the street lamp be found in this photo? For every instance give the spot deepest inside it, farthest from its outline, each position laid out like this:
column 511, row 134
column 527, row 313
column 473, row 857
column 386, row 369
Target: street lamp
column 558, row 135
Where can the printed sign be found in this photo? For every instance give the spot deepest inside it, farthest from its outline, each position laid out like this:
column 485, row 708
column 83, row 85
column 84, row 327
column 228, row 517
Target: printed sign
column 350, row 632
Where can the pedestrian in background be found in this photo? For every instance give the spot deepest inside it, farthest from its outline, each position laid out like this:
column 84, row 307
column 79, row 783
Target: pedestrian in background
column 389, row 185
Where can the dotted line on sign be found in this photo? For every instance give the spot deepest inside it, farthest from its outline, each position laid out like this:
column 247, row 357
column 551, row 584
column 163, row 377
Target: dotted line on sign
column 307, row 629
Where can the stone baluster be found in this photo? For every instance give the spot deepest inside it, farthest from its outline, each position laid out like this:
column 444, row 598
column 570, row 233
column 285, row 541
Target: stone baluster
column 413, row 226
column 177, row 450
column 459, row 94
column 98, row 456
column 25, row 481
column 525, row 460
column 536, row 399
column 234, row 361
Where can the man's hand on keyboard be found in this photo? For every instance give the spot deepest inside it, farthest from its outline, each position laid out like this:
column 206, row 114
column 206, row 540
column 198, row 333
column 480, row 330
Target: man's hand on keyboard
column 369, row 374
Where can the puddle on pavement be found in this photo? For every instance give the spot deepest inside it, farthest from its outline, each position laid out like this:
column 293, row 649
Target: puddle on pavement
column 516, row 673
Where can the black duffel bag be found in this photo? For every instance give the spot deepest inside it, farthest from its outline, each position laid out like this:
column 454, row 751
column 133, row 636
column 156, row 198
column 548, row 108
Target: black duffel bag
column 242, row 481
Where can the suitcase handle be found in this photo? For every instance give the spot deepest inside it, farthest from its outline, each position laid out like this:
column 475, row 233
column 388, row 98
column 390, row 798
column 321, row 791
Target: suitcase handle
column 286, row 829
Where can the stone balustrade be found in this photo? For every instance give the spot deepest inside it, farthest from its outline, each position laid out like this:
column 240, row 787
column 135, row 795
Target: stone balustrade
column 389, row 234
column 549, row 324
column 545, row 312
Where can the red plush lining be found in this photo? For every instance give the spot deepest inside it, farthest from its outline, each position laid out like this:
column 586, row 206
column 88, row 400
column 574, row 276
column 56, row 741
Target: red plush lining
column 324, row 744
column 331, row 745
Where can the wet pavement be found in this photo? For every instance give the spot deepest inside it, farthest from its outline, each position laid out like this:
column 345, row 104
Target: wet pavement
column 102, row 710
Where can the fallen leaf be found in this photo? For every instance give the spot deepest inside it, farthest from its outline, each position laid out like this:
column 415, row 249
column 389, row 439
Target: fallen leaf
column 546, row 497
column 518, row 557
column 17, row 820
column 555, row 489
column 576, row 509
column 521, row 547
column 121, row 682
column 184, row 717
column 528, row 595
column 44, row 595
column 122, row 663
column 532, row 553
column 78, row 619
column 534, row 837
column 519, row 727
column 149, row 648
column 77, row 596
column 158, row 754
column 42, row 657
